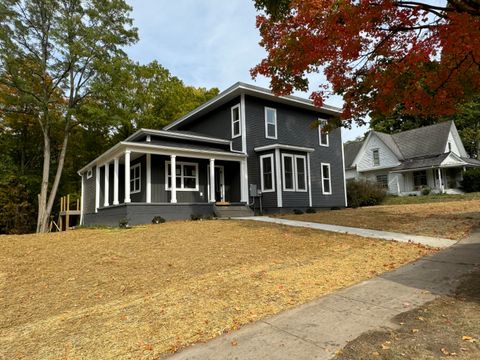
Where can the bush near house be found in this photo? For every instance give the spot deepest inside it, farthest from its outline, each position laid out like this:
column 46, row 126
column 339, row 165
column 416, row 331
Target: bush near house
column 364, row 193
column 471, row 180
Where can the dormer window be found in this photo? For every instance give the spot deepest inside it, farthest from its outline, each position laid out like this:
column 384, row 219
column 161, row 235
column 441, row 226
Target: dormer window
column 322, row 134
column 376, row 157
column 270, row 123
column 236, row 128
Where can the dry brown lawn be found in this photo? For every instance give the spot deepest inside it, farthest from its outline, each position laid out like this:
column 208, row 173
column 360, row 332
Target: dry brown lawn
column 147, row 291
column 452, row 220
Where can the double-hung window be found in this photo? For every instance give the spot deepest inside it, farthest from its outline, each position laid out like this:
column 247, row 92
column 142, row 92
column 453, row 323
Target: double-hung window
column 135, row 178
column 376, row 157
column 266, row 170
column 326, row 179
column 186, row 176
column 301, row 173
column 236, row 122
column 270, row 123
column 322, row 132
column 382, row 180
column 294, row 172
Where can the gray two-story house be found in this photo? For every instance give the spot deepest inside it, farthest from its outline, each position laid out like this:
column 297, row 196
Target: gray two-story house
column 243, row 146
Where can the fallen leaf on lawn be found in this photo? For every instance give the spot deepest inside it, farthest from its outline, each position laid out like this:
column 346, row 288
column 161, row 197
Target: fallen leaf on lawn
column 234, row 343
column 375, row 353
column 339, row 352
column 421, row 318
column 414, row 331
column 444, row 351
column 385, row 347
column 468, row 338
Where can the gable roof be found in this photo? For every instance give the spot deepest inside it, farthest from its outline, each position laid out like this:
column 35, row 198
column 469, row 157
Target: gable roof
column 425, row 141
column 240, row 88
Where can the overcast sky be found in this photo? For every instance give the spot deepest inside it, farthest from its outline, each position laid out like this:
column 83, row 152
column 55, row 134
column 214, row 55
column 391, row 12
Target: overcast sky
column 211, row 43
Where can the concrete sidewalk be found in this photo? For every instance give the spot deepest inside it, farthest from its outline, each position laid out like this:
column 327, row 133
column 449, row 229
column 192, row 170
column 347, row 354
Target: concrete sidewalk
column 318, row 329
column 385, row 235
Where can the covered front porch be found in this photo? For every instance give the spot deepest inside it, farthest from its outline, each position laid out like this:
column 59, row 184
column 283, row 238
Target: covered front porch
column 139, row 181
column 437, row 180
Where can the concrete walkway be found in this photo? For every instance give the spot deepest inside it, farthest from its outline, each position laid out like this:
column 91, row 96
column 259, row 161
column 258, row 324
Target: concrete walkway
column 318, row 329
column 385, row 235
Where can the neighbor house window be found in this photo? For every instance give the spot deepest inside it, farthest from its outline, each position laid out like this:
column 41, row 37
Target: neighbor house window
column 301, row 173
column 135, row 178
column 420, row 178
column 294, row 173
column 236, row 128
column 266, row 170
column 288, row 179
column 382, row 180
column 326, row 179
column 376, row 157
column 186, row 176
column 89, row 173
column 322, row 133
column 270, row 123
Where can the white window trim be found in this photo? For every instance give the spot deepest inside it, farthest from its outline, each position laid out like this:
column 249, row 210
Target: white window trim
column 266, row 123
column 239, row 121
column 292, row 157
column 89, row 173
column 270, row 156
column 304, row 173
column 132, row 179
column 181, row 187
column 324, row 178
column 322, row 122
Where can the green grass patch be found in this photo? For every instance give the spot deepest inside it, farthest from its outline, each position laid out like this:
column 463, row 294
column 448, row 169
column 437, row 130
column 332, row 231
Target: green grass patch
column 432, row 198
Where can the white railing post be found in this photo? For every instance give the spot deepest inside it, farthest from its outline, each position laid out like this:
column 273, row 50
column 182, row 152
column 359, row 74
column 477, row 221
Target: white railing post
column 106, row 180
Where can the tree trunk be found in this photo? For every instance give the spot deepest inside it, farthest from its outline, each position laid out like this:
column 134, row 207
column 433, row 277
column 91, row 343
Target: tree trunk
column 42, row 199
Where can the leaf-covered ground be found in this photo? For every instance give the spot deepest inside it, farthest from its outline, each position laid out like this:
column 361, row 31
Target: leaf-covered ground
column 448, row 327
column 453, row 219
column 143, row 292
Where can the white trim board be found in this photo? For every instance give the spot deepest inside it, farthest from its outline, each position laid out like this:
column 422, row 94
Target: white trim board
column 284, row 147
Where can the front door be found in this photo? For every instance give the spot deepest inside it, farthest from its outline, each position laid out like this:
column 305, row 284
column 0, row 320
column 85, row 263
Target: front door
column 219, row 184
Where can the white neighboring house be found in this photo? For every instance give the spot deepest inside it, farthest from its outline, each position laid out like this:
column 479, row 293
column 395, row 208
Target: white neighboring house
column 408, row 162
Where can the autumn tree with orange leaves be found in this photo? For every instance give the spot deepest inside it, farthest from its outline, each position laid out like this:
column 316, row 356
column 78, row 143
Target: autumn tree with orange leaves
column 422, row 57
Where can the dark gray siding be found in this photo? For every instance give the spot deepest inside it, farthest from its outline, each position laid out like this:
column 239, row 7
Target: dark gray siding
column 159, row 194
column 294, row 127
column 142, row 195
column 89, row 192
column 142, row 213
column 218, row 124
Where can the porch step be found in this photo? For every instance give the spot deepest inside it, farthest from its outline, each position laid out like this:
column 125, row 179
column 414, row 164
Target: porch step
column 230, row 211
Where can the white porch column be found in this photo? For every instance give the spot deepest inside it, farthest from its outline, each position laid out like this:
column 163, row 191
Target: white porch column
column 212, row 180
column 440, row 180
column 173, row 166
column 243, row 181
column 115, row 180
column 127, row 177
column 106, row 200
column 97, row 187
column 149, row 179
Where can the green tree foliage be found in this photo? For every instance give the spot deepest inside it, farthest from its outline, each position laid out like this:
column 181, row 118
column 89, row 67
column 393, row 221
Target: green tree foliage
column 74, row 87
column 471, row 180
